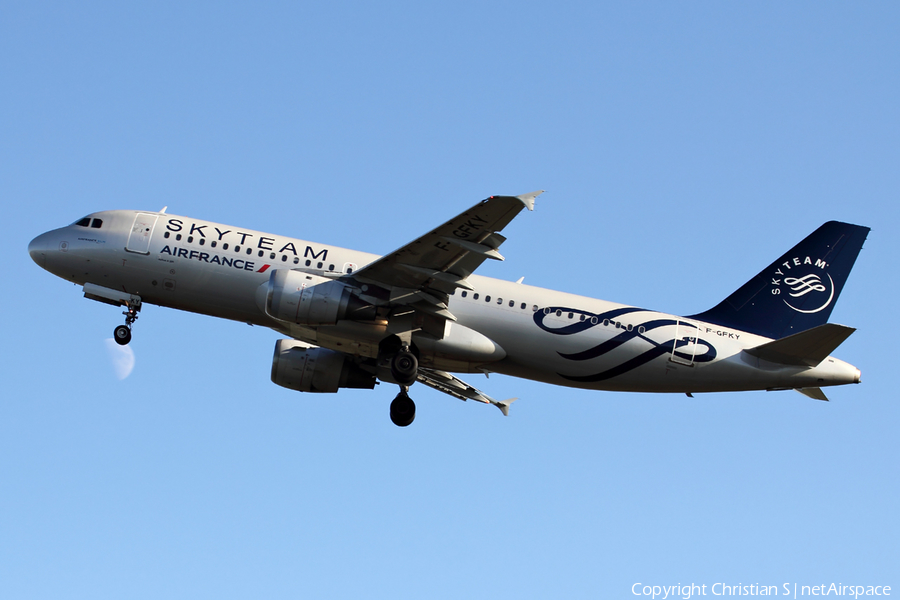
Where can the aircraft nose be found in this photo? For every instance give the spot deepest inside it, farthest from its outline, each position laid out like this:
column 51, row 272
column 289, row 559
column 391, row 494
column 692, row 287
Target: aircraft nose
column 38, row 249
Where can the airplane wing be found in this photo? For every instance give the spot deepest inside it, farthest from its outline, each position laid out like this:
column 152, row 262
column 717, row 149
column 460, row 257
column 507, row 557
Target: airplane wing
column 423, row 273
column 456, row 387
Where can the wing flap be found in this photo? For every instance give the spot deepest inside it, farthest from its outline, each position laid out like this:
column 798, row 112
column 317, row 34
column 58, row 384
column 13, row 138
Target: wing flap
column 456, row 387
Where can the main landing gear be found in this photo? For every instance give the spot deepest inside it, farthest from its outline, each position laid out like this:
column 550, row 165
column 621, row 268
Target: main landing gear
column 122, row 333
column 404, row 368
column 403, row 409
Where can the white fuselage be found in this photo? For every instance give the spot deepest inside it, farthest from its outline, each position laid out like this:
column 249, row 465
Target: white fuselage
column 545, row 335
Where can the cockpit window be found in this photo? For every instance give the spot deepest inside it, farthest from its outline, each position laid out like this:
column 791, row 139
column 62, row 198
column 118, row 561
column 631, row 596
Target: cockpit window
column 84, row 222
column 97, row 223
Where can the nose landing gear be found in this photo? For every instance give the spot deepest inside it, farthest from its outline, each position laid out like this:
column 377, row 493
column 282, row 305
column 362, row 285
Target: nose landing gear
column 122, row 333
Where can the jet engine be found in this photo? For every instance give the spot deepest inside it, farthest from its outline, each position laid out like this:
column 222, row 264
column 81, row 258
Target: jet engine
column 298, row 367
column 312, row 300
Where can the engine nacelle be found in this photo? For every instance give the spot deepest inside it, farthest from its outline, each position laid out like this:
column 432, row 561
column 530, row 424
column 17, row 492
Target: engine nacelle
column 297, row 367
column 312, row 300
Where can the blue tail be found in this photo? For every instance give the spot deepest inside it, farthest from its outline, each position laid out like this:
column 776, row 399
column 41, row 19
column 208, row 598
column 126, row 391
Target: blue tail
column 797, row 291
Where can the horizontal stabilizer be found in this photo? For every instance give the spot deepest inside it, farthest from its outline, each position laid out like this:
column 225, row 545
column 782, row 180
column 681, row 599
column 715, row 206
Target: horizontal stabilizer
column 814, row 393
column 805, row 349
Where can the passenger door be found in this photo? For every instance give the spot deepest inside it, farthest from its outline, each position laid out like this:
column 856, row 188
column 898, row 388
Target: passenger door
column 141, row 232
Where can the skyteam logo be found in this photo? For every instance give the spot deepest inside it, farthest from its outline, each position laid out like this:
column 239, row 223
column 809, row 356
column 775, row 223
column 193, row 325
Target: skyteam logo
column 805, row 283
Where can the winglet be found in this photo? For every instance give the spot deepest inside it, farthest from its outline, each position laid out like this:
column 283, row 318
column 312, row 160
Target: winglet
column 503, row 405
column 528, row 199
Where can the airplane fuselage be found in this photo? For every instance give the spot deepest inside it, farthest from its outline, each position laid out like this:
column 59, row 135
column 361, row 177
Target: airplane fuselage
column 503, row 327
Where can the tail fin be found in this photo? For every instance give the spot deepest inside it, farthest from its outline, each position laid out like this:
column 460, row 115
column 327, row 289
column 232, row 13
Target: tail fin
column 799, row 290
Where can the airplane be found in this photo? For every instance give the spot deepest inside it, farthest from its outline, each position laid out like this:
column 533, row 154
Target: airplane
column 420, row 314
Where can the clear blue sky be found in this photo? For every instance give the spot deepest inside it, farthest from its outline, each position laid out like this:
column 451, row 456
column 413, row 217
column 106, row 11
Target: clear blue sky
column 683, row 146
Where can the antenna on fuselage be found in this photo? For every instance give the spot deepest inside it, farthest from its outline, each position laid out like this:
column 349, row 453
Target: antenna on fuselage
column 163, row 211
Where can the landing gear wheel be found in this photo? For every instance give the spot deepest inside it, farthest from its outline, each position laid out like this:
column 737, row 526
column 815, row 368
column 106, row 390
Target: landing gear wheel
column 122, row 335
column 403, row 410
column 404, row 367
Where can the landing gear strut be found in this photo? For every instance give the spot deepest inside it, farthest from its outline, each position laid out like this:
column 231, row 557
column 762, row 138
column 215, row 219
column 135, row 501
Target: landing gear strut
column 403, row 409
column 122, row 333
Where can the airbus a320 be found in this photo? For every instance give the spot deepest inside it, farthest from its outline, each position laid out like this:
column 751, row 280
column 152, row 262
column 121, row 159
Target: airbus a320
column 420, row 314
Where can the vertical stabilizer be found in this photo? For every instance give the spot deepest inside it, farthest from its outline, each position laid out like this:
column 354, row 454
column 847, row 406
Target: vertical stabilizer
column 799, row 290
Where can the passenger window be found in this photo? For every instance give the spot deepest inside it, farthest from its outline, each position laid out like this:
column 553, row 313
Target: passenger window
column 225, row 246
column 533, row 308
column 283, row 258
column 237, row 248
column 499, row 300
column 261, row 253
column 559, row 313
column 594, row 320
column 97, row 223
column 296, row 260
column 202, row 241
column 272, row 256
column 319, row 266
column 571, row 315
column 178, row 237
column 308, row 262
column 190, row 239
column 84, row 222
column 166, row 235
column 512, row 304
column 487, row 298
column 331, row 268
column 213, row 243
column 249, row 251
column 475, row 296
column 464, row 294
